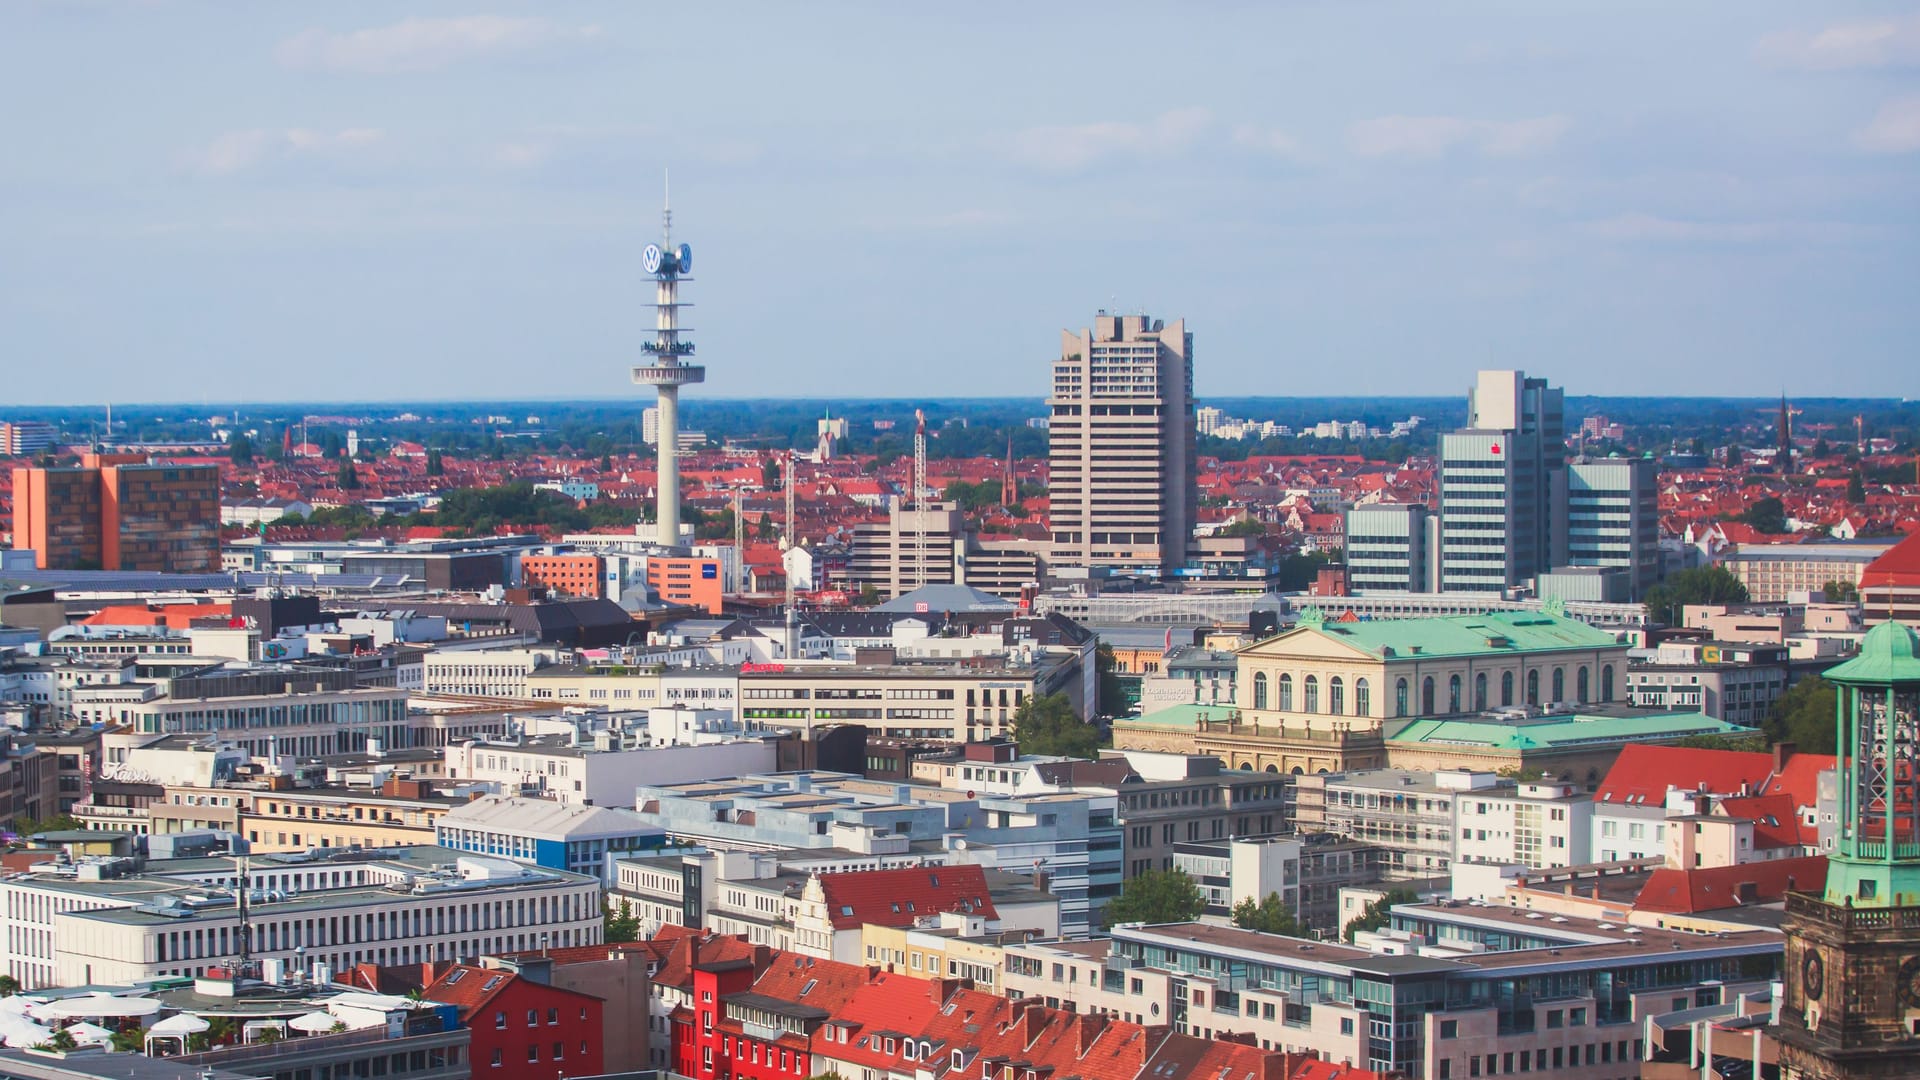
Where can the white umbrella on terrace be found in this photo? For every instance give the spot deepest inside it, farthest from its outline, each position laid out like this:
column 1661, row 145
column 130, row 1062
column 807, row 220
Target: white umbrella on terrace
column 85, row 1033
column 179, row 1024
column 21, row 1034
column 314, row 1023
column 96, row 1007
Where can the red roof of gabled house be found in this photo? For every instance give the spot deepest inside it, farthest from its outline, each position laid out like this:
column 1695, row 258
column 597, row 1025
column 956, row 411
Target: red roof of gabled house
column 1642, row 774
column 1686, row 892
column 1900, row 565
column 898, row 897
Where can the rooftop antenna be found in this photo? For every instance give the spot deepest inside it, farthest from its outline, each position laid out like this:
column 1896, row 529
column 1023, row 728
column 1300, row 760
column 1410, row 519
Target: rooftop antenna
column 666, row 209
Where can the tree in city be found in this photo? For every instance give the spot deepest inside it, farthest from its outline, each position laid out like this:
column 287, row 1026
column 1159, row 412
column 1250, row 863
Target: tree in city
column 130, row 1041
column 621, row 923
column 1110, row 688
column 1269, row 915
column 1768, row 515
column 31, row 826
column 1856, row 489
column 1804, row 716
column 1045, row 724
column 1701, row 585
column 1246, row 526
column 1733, row 454
column 1157, row 896
column 1380, row 912
column 9, row 986
column 1820, row 447
column 435, row 466
column 240, row 448
column 1840, row 592
column 868, row 596
column 348, row 478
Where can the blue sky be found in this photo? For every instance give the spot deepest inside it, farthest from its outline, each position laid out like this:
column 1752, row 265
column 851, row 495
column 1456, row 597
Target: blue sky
column 263, row 201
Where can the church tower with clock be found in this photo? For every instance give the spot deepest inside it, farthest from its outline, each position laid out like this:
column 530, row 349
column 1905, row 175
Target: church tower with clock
column 1852, row 980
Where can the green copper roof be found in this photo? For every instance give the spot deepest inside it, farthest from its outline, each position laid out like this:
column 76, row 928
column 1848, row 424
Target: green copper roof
column 1178, row 716
column 1553, row 732
column 1889, row 653
column 1502, row 633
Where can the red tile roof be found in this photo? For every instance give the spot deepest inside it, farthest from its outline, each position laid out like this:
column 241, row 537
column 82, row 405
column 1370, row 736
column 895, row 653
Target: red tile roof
column 1900, row 565
column 898, row 897
column 1642, row 773
column 1685, row 892
column 468, row 988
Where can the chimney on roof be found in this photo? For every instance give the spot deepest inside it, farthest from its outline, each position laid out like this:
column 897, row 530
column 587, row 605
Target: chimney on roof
column 1087, row 1027
column 762, row 959
column 1781, row 752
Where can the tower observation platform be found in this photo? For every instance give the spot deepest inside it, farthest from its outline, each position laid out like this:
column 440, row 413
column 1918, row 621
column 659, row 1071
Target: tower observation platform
column 667, row 369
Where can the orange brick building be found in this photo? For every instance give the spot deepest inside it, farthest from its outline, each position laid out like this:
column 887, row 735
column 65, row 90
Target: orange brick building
column 687, row 580
column 118, row 512
column 574, row 575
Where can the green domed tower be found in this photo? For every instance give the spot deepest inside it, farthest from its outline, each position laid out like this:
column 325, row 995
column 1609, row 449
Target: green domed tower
column 1852, row 1001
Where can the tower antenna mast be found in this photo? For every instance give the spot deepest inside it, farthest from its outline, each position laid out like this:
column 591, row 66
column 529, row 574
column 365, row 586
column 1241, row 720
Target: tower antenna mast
column 665, row 371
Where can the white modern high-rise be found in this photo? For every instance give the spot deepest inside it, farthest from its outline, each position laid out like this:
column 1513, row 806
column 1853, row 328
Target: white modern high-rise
column 666, row 373
column 1613, row 518
column 1503, row 486
column 1120, row 451
column 1387, row 548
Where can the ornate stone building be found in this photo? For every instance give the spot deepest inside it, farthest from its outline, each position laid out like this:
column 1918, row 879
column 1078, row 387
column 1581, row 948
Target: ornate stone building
column 1852, row 1002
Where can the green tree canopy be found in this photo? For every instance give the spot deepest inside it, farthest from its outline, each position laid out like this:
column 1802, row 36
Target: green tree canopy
column 1045, row 724
column 1269, row 915
column 1769, row 515
column 1110, row 688
column 347, row 478
column 240, row 448
column 621, row 923
column 1856, row 489
column 1804, row 716
column 1157, row 896
column 1380, row 912
column 1701, row 585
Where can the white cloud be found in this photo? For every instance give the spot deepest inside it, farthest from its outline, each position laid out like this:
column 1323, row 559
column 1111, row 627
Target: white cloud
column 1895, row 129
column 520, row 155
column 425, row 44
column 1270, row 141
column 1070, row 147
column 239, row 151
column 1522, row 138
column 1868, row 43
column 1435, row 136
column 1639, row 226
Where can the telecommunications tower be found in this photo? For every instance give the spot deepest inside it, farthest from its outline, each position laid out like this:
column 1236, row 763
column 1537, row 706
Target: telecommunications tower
column 665, row 372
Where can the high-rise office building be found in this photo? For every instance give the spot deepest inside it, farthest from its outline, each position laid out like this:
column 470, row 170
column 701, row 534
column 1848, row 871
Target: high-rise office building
column 1503, row 486
column 1387, row 548
column 1121, row 445
column 19, row 438
column 119, row 512
column 1613, row 518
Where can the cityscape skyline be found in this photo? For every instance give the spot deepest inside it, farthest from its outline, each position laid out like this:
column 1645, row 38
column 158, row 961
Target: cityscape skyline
column 452, row 196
